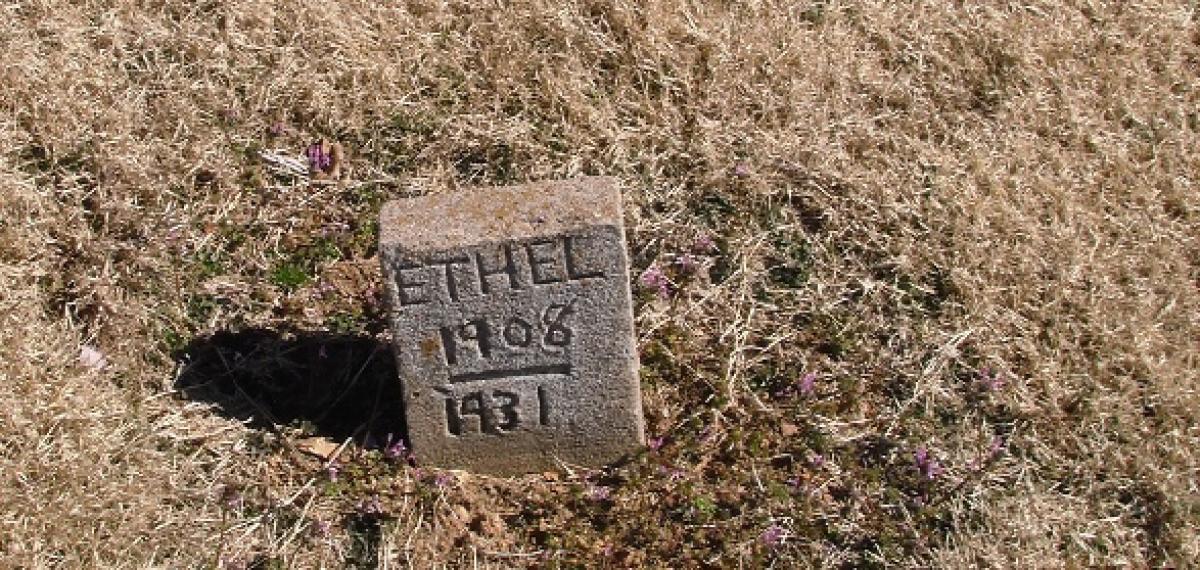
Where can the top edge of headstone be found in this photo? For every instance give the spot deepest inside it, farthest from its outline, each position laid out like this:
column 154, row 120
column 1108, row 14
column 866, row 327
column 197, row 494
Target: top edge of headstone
column 498, row 213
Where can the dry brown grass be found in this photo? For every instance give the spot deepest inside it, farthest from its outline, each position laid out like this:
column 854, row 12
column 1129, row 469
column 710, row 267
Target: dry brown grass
column 902, row 195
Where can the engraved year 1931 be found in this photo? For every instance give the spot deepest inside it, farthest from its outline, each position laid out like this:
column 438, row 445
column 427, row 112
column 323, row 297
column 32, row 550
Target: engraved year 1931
column 492, row 411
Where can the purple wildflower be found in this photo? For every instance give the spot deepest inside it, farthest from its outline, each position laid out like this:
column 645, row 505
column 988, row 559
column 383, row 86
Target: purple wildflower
column 277, row 129
column 319, row 159
column 599, row 493
column 996, row 446
column 371, row 507
column 444, row 479
column 655, row 280
column 990, row 380
column 332, row 470
column 656, row 443
column 773, row 536
column 396, row 450
column 686, row 263
column 321, row 528
column 993, row 450
column 807, row 384
column 816, row 460
column 671, row 473
column 928, row 466
column 704, row 245
column 741, row 169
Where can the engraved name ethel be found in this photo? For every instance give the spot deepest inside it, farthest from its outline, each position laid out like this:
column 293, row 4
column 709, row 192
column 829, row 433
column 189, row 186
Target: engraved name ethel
column 500, row 320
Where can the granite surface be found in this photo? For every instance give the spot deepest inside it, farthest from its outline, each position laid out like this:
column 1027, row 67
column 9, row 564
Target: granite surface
column 513, row 327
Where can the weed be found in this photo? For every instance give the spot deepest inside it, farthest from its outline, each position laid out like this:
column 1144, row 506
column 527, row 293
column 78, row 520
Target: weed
column 290, row 275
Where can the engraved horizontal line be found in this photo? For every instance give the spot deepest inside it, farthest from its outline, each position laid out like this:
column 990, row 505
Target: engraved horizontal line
column 510, row 372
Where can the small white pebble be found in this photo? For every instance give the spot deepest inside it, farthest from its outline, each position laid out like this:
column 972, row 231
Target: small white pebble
column 92, row 358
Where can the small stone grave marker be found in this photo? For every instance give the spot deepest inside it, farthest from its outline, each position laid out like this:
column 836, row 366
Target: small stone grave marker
column 513, row 327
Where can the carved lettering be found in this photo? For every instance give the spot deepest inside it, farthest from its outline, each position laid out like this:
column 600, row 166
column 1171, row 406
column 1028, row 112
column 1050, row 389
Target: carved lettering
column 458, row 410
column 545, row 261
column 487, row 269
column 405, row 286
column 576, row 268
column 452, row 271
column 483, row 412
column 484, row 337
column 518, row 333
column 498, row 360
column 558, row 334
column 543, row 407
column 506, row 405
column 475, row 333
column 499, row 268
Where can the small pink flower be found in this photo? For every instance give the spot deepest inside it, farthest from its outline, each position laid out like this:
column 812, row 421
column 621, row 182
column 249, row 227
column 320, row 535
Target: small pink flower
column 321, row 528
column 396, row 450
column 444, row 479
column 686, row 263
column 996, row 446
column 704, row 245
column 371, row 506
column 990, row 380
column 672, row 474
column 928, row 466
column 656, row 444
column 318, row 159
column 277, row 129
column 332, row 471
column 993, row 450
column 599, row 493
column 816, row 460
column 807, row 384
column 741, row 169
column 655, row 280
column 773, row 536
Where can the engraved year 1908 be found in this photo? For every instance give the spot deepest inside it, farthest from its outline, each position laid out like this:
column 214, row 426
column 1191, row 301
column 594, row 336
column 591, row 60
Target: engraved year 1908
column 483, row 337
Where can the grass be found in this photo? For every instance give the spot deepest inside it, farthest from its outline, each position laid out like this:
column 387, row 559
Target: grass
column 899, row 196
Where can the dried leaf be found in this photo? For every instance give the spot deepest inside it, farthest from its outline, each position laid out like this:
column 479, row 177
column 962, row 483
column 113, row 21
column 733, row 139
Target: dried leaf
column 317, row 446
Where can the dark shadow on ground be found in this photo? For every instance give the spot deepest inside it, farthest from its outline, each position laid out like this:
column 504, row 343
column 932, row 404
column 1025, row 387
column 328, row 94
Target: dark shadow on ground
column 340, row 385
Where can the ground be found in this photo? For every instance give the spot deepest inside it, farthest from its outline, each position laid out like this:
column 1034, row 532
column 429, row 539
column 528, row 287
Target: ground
column 917, row 283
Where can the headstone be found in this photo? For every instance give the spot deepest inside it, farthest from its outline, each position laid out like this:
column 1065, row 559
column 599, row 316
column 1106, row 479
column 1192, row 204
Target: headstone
column 513, row 327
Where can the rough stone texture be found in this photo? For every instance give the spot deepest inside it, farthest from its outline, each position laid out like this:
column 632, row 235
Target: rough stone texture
column 513, row 326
